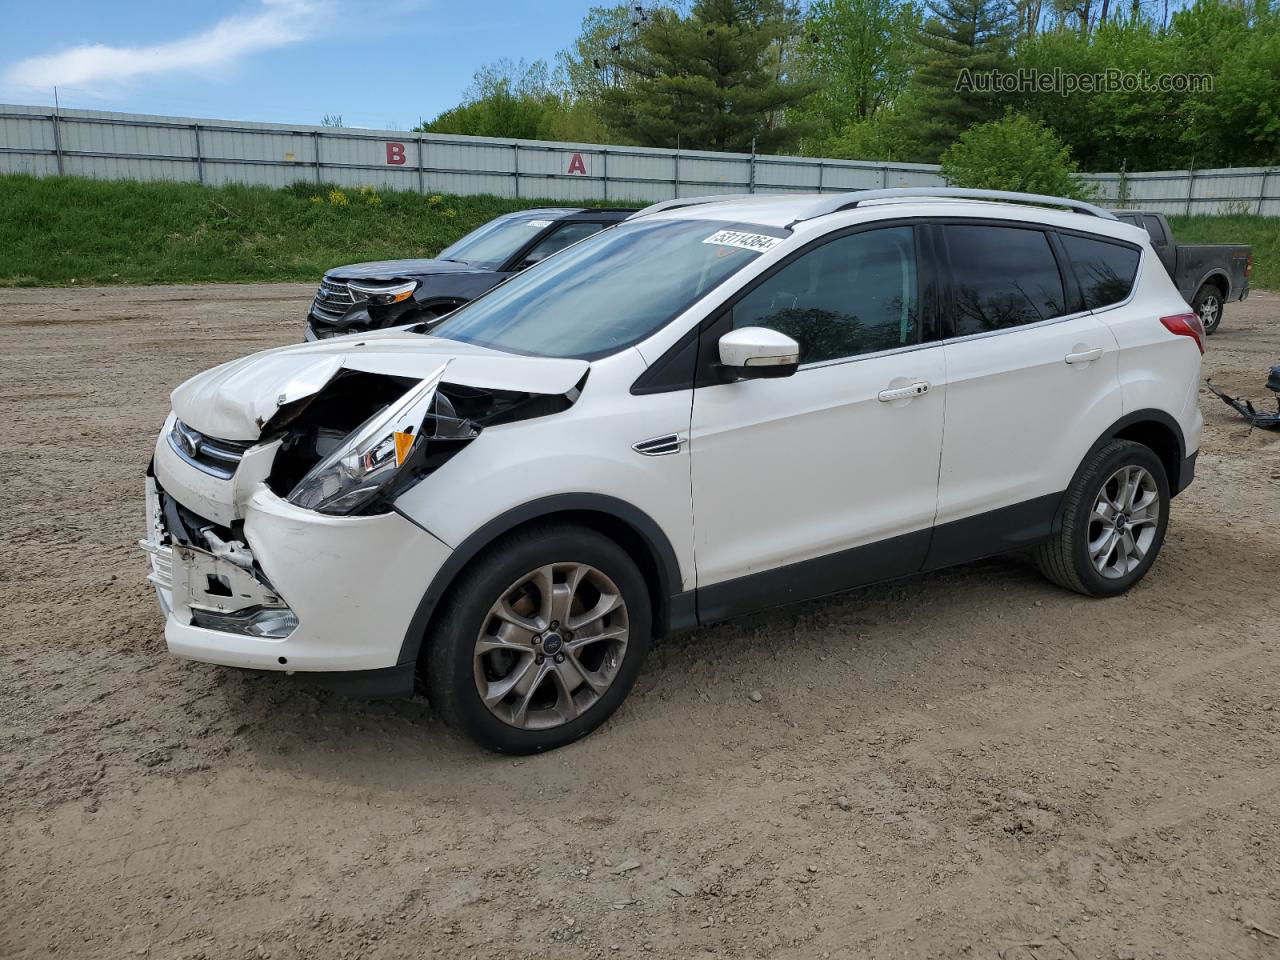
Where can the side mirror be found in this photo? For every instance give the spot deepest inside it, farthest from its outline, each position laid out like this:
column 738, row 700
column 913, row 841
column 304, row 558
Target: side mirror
column 754, row 352
column 529, row 261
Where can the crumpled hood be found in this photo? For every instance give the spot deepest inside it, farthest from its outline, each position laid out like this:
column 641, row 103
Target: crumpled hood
column 233, row 401
column 392, row 269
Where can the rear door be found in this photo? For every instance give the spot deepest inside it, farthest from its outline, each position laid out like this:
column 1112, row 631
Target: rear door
column 827, row 478
column 1032, row 382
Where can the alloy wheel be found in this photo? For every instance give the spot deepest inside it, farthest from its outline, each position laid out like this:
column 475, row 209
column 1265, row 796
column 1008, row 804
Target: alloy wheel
column 1209, row 308
column 551, row 646
column 1123, row 522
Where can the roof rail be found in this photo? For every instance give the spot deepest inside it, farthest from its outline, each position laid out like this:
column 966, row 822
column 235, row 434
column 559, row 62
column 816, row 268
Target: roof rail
column 847, row 201
column 679, row 202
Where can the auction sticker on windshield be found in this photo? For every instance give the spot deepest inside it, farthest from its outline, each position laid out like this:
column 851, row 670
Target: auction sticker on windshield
column 758, row 242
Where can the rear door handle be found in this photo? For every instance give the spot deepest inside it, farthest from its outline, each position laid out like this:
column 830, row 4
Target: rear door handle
column 916, row 389
column 1084, row 356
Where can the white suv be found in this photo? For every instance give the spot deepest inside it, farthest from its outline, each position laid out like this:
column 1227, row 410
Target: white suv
column 718, row 406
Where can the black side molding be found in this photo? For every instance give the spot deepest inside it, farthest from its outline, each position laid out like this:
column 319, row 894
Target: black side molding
column 1002, row 530
column 810, row 579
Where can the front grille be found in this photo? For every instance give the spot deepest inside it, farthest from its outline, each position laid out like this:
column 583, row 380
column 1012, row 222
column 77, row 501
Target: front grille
column 220, row 458
column 333, row 300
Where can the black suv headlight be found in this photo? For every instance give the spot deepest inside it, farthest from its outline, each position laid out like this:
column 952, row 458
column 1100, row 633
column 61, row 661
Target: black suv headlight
column 384, row 294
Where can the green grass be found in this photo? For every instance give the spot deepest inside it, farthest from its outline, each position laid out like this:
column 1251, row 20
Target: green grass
column 1262, row 233
column 58, row 229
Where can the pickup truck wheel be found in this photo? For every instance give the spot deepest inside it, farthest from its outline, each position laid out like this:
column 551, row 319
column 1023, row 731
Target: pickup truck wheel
column 1113, row 522
column 541, row 640
column 1208, row 304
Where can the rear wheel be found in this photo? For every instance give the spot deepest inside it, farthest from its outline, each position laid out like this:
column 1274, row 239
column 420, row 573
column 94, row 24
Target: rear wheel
column 541, row 641
column 1208, row 303
column 1113, row 524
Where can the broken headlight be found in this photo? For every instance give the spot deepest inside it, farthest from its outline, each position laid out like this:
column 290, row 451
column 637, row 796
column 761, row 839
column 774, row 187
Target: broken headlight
column 386, row 454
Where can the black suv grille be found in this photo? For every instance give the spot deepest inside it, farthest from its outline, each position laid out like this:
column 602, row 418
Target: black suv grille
column 333, row 300
column 208, row 454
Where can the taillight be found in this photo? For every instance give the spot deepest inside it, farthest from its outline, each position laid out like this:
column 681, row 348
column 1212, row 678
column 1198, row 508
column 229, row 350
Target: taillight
column 1186, row 325
column 1248, row 266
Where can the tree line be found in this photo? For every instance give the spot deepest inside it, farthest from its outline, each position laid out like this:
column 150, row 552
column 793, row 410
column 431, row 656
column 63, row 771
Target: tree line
column 903, row 80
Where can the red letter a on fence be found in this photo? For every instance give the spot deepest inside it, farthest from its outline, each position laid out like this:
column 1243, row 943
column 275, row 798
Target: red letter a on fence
column 577, row 165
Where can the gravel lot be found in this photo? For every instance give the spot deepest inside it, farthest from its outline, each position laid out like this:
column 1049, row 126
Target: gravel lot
column 967, row 764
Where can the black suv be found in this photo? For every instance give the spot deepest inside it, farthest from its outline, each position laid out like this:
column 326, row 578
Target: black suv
column 370, row 296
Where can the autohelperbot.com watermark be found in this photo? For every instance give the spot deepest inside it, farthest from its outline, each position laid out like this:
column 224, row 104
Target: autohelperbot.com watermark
column 1065, row 83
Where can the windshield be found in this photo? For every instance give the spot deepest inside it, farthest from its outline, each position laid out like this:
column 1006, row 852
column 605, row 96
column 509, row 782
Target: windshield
column 608, row 291
column 496, row 242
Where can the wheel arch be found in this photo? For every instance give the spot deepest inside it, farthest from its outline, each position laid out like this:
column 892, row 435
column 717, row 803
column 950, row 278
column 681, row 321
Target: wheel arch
column 1159, row 432
column 1217, row 278
column 628, row 526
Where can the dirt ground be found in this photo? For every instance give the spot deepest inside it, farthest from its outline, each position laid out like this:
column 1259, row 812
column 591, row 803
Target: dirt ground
column 968, row 764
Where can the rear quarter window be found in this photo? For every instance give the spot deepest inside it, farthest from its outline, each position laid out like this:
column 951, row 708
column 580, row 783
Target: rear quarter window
column 1104, row 269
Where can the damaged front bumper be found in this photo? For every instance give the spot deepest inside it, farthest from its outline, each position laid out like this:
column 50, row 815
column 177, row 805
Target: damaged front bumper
column 296, row 593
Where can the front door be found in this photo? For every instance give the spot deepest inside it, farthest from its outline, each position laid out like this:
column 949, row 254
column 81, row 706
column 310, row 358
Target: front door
column 828, row 478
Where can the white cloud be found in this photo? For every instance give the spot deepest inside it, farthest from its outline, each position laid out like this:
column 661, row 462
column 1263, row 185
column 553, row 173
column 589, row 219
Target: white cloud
column 96, row 68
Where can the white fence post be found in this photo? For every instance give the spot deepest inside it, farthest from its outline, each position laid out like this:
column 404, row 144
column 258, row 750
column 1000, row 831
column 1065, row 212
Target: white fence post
column 422, row 183
column 57, row 139
column 195, row 128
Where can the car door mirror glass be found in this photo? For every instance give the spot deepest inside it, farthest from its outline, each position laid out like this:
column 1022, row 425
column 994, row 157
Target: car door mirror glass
column 757, row 352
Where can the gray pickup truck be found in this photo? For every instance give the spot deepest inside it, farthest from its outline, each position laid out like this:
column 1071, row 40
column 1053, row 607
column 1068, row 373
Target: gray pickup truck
column 1208, row 275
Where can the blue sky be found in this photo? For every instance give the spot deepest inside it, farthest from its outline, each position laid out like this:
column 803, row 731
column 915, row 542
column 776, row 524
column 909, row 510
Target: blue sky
column 378, row 63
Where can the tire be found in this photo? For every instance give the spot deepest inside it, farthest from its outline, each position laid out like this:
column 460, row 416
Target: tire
column 469, row 644
column 1208, row 304
column 1068, row 557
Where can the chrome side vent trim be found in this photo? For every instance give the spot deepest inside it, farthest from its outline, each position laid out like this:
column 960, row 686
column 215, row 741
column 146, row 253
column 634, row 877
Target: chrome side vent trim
column 659, row 446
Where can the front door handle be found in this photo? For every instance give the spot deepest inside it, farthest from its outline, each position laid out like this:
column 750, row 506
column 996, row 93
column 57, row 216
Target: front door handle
column 1084, row 356
column 916, row 389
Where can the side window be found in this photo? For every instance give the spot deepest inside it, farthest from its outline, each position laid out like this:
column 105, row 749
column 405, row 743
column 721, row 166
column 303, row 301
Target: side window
column 558, row 239
column 1104, row 270
column 852, row 295
column 1003, row 277
column 1155, row 229
column 1130, row 219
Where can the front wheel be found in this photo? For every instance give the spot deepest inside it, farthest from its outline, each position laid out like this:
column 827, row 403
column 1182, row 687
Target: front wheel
column 1113, row 524
column 541, row 641
column 1208, row 304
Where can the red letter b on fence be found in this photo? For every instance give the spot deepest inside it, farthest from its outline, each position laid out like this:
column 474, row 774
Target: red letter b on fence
column 395, row 153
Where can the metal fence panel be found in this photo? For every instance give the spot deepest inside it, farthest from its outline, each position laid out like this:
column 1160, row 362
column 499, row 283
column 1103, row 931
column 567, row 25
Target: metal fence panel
column 43, row 142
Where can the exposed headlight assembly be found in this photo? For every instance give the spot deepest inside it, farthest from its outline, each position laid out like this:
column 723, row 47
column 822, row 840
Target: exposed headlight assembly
column 383, row 294
column 386, row 454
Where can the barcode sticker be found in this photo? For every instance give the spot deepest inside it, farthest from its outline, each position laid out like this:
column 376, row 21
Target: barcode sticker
column 757, row 242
